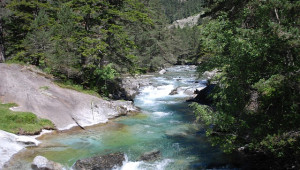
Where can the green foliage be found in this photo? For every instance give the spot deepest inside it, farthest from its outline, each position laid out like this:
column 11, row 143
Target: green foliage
column 44, row 87
column 21, row 122
column 91, row 42
column 256, row 45
column 85, row 41
column 268, row 88
column 203, row 113
column 70, row 85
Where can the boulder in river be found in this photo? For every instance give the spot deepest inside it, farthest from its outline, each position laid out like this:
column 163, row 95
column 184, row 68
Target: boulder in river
column 104, row 162
column 126, row 88
column 163, row 71
column 174, row 91
column 42, row 163
column 150, row 156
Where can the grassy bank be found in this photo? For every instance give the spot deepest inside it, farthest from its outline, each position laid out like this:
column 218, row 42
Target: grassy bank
column 76, row 87
column 25, row 123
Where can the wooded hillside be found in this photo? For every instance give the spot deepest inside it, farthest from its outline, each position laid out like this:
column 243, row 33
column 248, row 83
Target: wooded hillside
column 256, row 46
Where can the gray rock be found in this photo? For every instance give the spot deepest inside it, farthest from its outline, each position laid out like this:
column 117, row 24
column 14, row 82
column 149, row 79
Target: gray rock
column 210, row 74
column 253, row 102
column 150, row 156
column 42, row 163
column 189, row 21
column 129, row 87
column 163, row 71
column 187, row 91
column 64, row 107
column 104, row 162
column 174, row 91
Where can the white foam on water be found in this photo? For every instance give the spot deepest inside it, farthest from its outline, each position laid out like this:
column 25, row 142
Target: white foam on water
column 162, row 165
column 150, row 94
column 141, row 165
column 175, row 121
column 161, row 114
column 131, row 166
column 163, row 80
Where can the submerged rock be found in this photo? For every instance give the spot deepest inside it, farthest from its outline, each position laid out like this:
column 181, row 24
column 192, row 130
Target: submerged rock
column 42, row 163
column 176, row 134
column 104, row 162
column 150, row 156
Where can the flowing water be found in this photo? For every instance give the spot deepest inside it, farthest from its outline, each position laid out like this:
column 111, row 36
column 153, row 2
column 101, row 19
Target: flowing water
column 166, row 124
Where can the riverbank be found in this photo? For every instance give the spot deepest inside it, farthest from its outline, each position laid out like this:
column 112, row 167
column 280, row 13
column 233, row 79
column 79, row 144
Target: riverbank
column 12, row 144
column 166, row 123
column 34, row 91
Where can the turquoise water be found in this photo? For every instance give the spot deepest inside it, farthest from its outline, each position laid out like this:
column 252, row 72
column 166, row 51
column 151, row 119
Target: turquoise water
column 166, row 124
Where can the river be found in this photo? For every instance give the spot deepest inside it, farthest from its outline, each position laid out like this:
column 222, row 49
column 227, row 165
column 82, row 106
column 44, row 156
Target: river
column 166, row 123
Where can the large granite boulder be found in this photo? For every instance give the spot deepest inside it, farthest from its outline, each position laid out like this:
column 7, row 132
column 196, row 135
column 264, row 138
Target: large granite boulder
column 127, row 88
column 37, row 93
column 104, row 162
column 42, row 163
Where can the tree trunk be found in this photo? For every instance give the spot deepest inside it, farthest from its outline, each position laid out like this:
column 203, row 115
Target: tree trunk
column 2, row 57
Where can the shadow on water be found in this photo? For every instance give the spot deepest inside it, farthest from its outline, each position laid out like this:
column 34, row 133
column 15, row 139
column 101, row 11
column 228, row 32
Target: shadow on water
column 195, row 143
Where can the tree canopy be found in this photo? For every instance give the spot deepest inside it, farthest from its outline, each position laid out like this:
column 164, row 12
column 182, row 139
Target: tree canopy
column 255, row 44
column 88, row 42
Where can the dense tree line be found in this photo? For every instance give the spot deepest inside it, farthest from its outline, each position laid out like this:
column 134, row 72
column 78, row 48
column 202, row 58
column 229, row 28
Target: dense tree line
column 80, row 40
column 87, row 42
column 256, row 46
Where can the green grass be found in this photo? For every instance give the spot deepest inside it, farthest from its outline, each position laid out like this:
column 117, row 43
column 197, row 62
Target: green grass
column 21, row 122
column 76, row 87
column 44, row 88
column 16, row 62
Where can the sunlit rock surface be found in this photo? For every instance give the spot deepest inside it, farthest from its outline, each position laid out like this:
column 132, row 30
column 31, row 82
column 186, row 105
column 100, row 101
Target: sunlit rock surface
column 34, row 91
column 11, row 144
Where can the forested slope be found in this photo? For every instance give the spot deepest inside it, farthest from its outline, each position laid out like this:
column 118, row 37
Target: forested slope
column 256, row 46
column 87, row 42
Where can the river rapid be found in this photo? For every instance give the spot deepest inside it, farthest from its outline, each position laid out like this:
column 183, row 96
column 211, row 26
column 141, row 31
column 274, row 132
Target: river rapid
column 166, row 123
